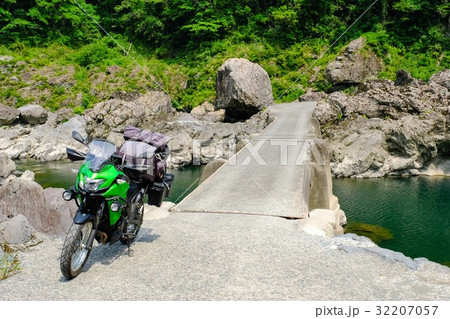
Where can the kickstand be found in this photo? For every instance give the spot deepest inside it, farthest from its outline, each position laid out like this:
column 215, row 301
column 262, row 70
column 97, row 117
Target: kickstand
column 130, row 251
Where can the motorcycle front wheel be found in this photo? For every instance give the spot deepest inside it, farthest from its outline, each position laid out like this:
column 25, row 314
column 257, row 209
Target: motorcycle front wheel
column 75, row 251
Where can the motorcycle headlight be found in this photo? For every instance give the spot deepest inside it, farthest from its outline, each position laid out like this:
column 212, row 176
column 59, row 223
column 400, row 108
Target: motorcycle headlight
column 115, row 206
column 91, row 185
column 68, row 195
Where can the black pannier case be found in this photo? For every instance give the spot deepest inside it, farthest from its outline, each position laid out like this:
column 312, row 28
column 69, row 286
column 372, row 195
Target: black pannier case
column 160, row 190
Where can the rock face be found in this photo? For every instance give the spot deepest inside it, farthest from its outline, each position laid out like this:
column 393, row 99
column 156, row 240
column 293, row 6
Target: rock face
column 199, row 142
column 45, row 142
column 442, row 78
column 243, row 88
column 8, row 115
column 387, row 129
column 59, row 212
column 33, row 114
column 116, row 115
column 45, row 210
column 353, row 66
column 7, row 166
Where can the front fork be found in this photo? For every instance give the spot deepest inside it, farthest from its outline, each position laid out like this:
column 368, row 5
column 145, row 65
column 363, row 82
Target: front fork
column 82, row 217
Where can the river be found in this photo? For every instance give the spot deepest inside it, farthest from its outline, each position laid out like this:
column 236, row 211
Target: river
column 60, row 174
column 415, row 210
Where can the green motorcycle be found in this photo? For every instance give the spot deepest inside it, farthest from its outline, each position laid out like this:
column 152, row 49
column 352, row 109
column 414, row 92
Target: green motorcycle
column 110, row 189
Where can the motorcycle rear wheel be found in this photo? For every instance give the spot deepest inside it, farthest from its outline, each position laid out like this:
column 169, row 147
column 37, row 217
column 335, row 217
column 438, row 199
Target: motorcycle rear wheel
column 75, row 251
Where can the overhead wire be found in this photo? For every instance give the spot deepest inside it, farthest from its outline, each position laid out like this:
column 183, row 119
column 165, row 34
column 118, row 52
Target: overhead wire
column 325, row 52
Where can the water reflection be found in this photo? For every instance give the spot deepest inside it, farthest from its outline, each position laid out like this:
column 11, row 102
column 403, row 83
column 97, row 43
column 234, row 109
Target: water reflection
column 416, row 210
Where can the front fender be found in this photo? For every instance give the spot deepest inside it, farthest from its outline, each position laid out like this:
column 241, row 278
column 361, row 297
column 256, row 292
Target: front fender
column 81, row 217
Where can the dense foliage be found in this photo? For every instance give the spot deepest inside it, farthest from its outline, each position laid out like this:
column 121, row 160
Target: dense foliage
column 179, row 23
column 197, row 35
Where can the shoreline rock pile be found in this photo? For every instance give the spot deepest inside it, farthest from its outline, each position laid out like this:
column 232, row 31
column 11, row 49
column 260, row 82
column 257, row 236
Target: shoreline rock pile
column 26, row 209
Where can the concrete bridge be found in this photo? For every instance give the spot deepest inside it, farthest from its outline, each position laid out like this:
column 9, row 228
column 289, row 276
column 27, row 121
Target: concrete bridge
column 282, row 172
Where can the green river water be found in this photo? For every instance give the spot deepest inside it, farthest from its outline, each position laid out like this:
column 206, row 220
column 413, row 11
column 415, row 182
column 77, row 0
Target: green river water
column 414, row 210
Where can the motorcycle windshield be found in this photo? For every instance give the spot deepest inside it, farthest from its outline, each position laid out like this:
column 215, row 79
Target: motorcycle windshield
column 100, row 151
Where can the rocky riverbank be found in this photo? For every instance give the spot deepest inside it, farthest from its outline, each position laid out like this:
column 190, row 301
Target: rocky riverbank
column 199, row 137
column 26, row 209
column 377, row 127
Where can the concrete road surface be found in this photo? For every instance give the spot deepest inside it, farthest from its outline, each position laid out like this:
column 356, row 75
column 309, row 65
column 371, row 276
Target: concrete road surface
column 267, row 176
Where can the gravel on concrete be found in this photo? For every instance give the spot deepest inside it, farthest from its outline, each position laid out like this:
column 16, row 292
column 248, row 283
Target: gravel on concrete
column 198, row 256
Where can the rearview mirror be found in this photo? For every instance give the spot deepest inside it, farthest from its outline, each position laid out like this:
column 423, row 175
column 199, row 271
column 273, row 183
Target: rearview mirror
column 77, row 136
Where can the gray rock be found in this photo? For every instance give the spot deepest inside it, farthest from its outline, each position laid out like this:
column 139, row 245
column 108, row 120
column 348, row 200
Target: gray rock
column 442, row 78
column 202, row 109
column 403, row 78
column 125, row 96
column 6, row 58
column 116, row 138
column 116, row 115
column 45, row 210
column 60, row 213
column 155, row 102
column 312, row 96
column 18, row 230
column 8, row 115
column 33, row 114
column 47, row 142
column 206, row 112
column 210, row 169
column 353, row 67
column 243, row 88
column 180, row 144
column 33, row 208
column 7, row 166
column 214, row 117
column 389, row 255
column 113, row 69
column 27, row 176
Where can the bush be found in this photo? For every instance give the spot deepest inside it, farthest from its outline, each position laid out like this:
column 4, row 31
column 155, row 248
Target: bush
column 9, row 262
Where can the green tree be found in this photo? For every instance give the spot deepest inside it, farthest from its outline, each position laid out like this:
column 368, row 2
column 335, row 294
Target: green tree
column 39, row 21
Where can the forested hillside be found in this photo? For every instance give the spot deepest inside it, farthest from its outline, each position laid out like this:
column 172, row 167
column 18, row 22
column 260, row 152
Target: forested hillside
column 183, row 42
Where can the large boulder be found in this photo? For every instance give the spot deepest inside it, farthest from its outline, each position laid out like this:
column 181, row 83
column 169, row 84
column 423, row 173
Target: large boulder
column 8, row 115
column 18, row 230
column 22, row 196
column 355, row 65
column 60, row 212
column 33, row 114
column 243, row 88
column 45, row 210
